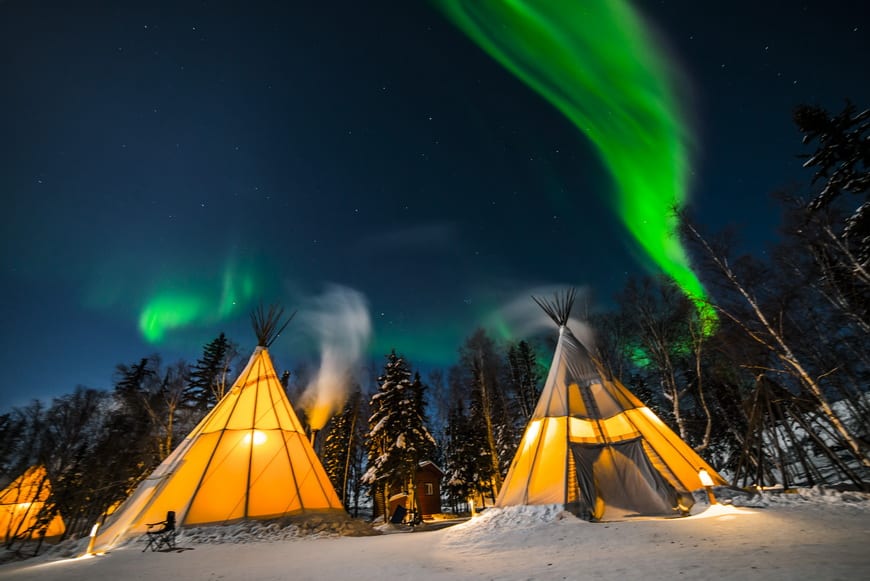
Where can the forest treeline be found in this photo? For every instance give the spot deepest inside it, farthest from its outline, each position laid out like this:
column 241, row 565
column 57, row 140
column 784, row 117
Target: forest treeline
column 770, row 390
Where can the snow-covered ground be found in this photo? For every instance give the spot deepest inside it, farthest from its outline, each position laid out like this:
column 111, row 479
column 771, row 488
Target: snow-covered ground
column 809, row 535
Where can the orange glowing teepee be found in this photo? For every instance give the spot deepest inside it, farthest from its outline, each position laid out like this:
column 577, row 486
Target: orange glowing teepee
column 247, row 459
column 21, row 504
column 592, row 446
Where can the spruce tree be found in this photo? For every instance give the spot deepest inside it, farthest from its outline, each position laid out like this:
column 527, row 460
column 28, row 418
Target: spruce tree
column 489, row 415
column 424, row 441
column 397, row 439
column 468, row 470
column 525, row 378
column 835, row 224
column 133, row 428
column 454, row 483
column 842, row 157
column 208, row 378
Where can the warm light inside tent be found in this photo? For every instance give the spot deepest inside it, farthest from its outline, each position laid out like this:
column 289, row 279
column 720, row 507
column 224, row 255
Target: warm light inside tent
column 581, row 430
column 22, row 503
column 257, row 436
column 247, row 459
column 532, row 433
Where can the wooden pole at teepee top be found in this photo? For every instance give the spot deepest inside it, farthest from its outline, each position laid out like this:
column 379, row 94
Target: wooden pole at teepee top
column 559, row 308
column 267, row 324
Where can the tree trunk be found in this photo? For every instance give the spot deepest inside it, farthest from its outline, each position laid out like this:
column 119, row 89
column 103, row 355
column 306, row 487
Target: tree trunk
column 348, row 456
column 487, row 417
column 698, row 340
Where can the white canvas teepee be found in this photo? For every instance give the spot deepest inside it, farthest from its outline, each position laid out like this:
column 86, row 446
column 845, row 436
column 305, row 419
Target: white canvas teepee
column 248, row 458
column 594, row 447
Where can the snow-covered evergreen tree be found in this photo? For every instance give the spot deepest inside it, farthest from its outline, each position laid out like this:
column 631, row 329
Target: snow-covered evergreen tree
column 468, row 463
column 488, row 402
column 834, row 226
column 842, row 164
column 398, row 438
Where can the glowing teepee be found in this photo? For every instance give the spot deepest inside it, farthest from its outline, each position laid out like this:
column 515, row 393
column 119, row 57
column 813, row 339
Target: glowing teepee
column 594, row 447
column 21, row 504
column 247, row 459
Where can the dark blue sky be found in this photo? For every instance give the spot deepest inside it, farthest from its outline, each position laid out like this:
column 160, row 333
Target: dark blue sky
column 170, row 147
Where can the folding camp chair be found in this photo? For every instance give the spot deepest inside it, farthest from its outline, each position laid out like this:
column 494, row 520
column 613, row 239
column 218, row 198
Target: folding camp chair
column 162, row 538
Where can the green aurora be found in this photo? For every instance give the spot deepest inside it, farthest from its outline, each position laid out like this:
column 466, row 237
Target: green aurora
column 172, row 307
column 597, row 64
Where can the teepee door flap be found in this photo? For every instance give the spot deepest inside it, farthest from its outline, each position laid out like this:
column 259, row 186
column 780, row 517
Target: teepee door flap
column 617, row 480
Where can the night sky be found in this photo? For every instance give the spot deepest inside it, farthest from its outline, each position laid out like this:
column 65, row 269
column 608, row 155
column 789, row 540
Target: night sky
column 181, row 162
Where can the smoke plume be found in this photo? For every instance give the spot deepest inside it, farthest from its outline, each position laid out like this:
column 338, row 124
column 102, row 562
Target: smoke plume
column 521, row 317
column 339, row 318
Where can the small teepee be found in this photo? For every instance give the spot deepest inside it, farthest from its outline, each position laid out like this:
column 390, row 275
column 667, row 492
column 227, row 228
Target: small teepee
column 594, row 447
column 21, row 505
column 248, row 458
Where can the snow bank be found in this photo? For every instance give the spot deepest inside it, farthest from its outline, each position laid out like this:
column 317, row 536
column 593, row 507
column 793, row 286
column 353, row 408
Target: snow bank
column 817, row 496
column 495, row 525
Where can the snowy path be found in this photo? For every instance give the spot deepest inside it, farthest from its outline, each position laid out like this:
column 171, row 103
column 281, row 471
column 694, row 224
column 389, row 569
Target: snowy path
column 811, row 541
column 403, row 556
column 724, row 543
